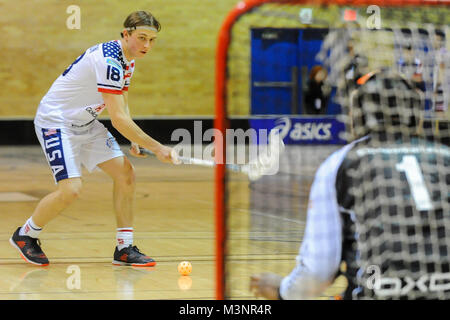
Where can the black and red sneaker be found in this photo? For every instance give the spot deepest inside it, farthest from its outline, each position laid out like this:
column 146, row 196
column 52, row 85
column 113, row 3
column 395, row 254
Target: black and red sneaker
column 29, row 249
column 131, row 256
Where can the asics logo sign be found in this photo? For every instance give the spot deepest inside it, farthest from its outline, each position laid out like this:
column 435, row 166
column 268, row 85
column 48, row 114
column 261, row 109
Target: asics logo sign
column 304, row 131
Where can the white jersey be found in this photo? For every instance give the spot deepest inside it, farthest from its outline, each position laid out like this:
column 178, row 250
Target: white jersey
column 75, row 100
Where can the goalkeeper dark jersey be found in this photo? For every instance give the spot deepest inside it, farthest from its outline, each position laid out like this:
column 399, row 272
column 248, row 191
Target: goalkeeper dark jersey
column 383, row 209
column 395, row 207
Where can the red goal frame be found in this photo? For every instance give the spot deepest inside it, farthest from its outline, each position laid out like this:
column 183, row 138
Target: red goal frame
column 221, row 121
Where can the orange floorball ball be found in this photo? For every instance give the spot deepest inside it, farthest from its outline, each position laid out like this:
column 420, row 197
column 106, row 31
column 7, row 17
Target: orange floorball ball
column 185, row 268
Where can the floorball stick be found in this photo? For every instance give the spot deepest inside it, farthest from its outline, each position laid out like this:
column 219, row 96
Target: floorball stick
column 263, row 165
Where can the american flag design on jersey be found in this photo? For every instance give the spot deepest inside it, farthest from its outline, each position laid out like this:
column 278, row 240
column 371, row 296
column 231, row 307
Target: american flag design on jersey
column 118, row 72
column 75, row 98
column 112, row 49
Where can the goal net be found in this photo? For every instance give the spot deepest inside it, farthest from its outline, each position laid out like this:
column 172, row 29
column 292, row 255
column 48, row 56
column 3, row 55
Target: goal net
column 307, row 70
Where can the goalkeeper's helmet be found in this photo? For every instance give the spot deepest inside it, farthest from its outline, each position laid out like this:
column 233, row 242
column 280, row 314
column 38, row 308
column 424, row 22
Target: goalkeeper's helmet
column 385, row 103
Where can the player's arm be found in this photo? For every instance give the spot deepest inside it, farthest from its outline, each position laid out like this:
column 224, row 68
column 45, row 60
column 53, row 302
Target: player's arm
column 121, row 120
column 125, row 100
column 135, row 149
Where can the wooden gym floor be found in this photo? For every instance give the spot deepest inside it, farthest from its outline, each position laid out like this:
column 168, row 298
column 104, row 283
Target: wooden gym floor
column 174, row 221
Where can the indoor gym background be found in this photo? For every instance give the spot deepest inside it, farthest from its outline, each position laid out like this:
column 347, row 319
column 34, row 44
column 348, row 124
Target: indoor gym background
column 174, row 221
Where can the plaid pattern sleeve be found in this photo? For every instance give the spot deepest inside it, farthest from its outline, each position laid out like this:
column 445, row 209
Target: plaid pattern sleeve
column 320, row 253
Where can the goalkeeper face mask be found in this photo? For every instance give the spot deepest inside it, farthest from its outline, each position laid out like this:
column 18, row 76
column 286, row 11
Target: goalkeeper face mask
column 384, row 102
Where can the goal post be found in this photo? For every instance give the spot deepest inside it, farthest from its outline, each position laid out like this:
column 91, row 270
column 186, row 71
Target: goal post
column 244, row 243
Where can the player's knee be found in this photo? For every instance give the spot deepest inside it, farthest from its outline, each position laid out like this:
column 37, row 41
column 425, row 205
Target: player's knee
column 127, row 176
column 130, row 174
column 70, row 190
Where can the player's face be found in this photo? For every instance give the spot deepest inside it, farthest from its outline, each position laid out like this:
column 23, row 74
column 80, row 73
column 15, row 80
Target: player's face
column 439, row 42
column 140, row 42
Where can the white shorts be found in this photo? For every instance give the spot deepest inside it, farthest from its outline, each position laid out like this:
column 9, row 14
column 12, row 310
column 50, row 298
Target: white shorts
column 67, row 149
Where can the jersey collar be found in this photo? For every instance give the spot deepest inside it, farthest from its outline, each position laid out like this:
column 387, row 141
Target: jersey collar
column 123, row 54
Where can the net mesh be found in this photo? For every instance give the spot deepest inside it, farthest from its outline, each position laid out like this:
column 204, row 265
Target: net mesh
column 398, row 180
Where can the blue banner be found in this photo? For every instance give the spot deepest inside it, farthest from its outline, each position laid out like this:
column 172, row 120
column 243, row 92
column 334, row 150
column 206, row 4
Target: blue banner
column 303, row 130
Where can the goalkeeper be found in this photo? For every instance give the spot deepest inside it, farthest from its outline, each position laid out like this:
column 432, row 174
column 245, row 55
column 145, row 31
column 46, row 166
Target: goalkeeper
column 377, row 206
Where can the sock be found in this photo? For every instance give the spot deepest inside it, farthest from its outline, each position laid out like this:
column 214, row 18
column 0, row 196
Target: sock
column 124, row 237
column 30, row 229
